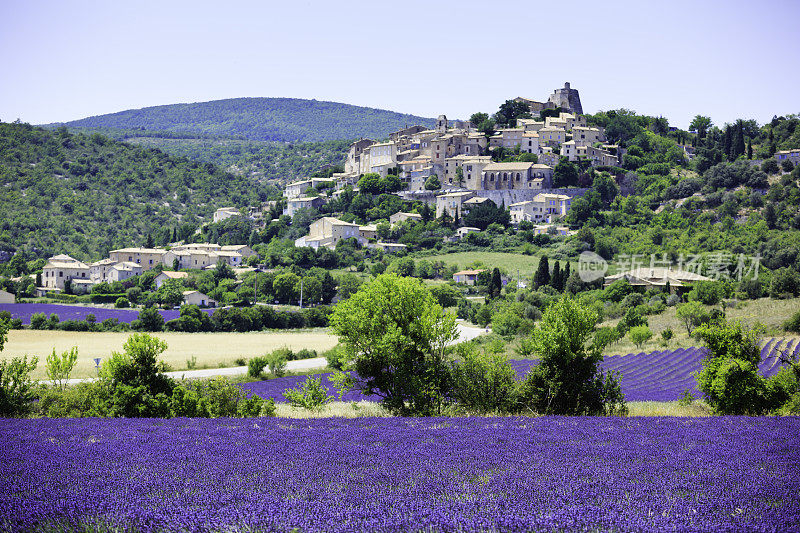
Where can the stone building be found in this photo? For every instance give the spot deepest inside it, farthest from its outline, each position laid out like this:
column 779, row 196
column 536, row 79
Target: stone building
column 567, row 98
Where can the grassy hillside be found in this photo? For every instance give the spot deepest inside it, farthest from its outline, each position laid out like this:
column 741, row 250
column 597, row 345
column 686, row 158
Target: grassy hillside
column 507, row 261
column 84, row 195
column 257, row 119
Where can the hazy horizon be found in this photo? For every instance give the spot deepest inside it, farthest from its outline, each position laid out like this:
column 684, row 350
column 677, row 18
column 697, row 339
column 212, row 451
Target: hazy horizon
column 67, row 61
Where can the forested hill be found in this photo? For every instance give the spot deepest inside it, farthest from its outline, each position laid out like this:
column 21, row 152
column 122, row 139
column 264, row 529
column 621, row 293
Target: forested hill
column 83, row 195
column 257, row 119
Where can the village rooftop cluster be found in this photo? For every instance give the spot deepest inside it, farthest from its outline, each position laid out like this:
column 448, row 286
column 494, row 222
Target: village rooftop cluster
column 458, row 155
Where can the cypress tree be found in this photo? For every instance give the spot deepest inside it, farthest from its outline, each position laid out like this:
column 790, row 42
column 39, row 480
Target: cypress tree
column 738, row 144
column 496, row 285
column 542, row 275
column 565, row 275
column 749, row 149
column 726, row 142
column 555, row 279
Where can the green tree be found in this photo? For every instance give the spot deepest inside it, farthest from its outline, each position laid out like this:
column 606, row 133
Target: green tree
column 370, row 183
column 16, row 386
column 542, row 275
column 640, row 335
column 432, row 183
column 556, row 280
column 170, row 294
column 701, row 125
column 606, row 187
column 510, row 111
column 286, row 286
column 478, row 118
column 486, row 213
column 59, row 367
column 149, row 320
column 565, row 174
column 394, row 336
column 223, row 271
column 785, row 282
column 567, row 380
column 311, row 288
column 707, row 292
column 496, row 284
column 692, row 314
column 348, row 285
column 730, row 380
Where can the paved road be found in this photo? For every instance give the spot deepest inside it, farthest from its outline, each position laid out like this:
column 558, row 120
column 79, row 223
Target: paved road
column 465, row 333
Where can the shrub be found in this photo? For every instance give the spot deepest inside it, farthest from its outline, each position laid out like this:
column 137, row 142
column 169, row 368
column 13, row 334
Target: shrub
column 149, row 320
column 122, row 302
column 692, row 314
column 633, row 299
column 607, row 335
column 38, row 321
column 310, row 395
column 304, row 353
column 785, row 281
column 16, row 386
column 256, row 365
column 255, row 406
column 336, row 357
column 729, row 379
column 707, row 292
column 686, row 399
column 483, row 382
column 87, row 399
column 59, row 367
column 793, row 323
column 138, row 386
column 770, row 166
column 639, row 335
column 568, row 380
column 217, row 397
column 632, row 318
column 508, row 323
column 277, row 364
column 220, row 397
column 751, row 288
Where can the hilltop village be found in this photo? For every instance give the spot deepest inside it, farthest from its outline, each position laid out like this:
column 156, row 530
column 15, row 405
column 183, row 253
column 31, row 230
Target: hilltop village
column 460, row 160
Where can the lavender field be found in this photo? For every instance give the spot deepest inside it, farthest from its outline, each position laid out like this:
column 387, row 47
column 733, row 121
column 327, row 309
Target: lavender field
column 79, row 312
column 440, row 474
column 657, row 376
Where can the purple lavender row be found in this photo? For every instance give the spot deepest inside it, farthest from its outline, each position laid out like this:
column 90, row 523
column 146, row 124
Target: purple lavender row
column 79, row 312
column 655, row 376
column 386, row 475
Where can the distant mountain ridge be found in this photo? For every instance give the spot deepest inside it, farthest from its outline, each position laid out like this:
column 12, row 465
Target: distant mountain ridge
column 258, row 119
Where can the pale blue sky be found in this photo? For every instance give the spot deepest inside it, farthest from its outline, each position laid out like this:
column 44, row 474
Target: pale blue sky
column 64, row 60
